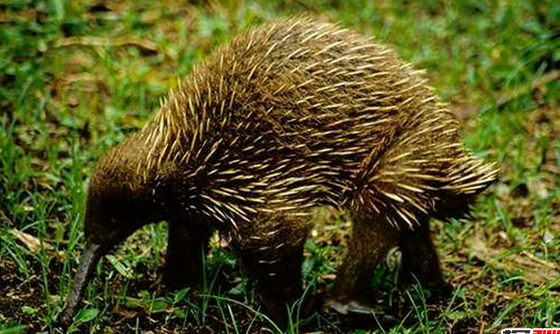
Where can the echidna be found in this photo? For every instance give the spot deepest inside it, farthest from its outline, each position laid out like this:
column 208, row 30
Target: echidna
column 288, row 116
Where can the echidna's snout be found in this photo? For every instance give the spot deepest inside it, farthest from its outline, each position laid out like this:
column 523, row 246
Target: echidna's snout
column 90, row 256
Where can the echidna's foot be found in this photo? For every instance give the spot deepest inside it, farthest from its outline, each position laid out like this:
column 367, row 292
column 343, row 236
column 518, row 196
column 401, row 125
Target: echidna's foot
column 172, row 278
column 310, row 304
column 438, row 292
column 166, row 285
column 350, row 307
column 277, row 302
column 171, row 282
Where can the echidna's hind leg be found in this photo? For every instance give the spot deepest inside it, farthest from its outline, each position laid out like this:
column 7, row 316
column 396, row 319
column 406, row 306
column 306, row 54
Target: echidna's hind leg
column 372, row 238
column 271, row 252
column 419, row 258
column 186, row 246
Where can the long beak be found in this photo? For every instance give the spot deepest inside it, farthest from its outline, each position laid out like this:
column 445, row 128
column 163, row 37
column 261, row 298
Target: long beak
column 88, row 261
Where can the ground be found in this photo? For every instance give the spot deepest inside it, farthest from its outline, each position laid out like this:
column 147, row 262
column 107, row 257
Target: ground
column 76, row 77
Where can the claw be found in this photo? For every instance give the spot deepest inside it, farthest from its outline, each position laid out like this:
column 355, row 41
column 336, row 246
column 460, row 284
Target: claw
column 350, row 307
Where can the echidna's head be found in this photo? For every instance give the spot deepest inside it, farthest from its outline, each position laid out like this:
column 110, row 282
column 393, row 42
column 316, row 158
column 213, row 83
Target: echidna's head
column 118, row 202
column 114, row 209
column 117, row 205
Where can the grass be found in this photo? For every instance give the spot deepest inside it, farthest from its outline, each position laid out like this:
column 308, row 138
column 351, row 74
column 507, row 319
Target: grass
column 76, row 77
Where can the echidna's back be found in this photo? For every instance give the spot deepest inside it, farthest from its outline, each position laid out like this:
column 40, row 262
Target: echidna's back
column 299, row 112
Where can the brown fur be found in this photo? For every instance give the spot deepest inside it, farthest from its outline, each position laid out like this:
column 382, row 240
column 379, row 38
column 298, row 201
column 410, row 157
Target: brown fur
column 291, row 115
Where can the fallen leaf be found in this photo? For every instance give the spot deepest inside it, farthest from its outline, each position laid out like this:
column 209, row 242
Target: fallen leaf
column 31, row 242
column 35, row 244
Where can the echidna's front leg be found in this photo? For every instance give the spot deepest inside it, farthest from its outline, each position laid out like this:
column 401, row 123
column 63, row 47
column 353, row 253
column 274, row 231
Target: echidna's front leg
column 187, row 244
column 372, row 238
column 271, row 253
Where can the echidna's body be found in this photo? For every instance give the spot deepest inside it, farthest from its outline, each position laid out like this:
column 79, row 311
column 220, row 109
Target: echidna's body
column 290, row 115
